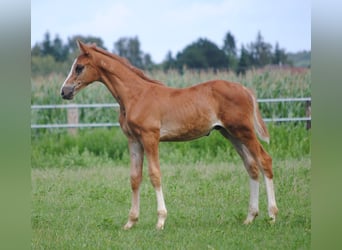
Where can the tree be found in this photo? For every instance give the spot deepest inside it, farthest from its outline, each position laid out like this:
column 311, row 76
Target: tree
column 229, row 48
column 60, row 51
column 130, row 49
column 36, row 50
column 72, row 42
column 244, row 61
column 279, row 56
column 169, row 62
column 147, row 62
column 202, row 54
column 261, row 52
column 46, row 47
column 56, row 49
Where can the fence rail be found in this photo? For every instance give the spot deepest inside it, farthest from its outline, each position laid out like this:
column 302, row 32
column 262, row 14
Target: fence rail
column 72, row 106
column 72, row 124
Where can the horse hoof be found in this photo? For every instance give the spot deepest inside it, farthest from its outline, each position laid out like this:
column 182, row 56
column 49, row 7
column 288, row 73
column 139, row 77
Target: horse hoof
column 247, row 221
column 250, row 217
column 129, row 225
column 272, row 220
column 160, row 226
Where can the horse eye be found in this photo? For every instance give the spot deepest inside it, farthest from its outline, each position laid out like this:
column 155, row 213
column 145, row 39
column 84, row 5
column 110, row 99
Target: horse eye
column 79, row 69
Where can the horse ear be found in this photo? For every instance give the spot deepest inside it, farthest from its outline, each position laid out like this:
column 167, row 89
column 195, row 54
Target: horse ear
column 83, row 47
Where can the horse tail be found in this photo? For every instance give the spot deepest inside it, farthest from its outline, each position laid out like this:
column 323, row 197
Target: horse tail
column 259, row 124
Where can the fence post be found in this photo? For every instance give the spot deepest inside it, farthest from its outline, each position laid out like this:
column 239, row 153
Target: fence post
column 72, row 119
column 308, row 114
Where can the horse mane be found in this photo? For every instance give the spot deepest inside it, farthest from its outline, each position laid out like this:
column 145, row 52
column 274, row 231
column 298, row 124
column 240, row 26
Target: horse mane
column 126, row 63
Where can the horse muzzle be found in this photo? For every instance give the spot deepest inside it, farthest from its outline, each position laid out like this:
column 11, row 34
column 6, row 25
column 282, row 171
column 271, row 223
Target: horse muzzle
column 67, row 92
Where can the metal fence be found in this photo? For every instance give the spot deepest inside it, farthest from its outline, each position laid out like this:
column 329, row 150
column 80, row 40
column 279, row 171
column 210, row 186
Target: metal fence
column 72, row 124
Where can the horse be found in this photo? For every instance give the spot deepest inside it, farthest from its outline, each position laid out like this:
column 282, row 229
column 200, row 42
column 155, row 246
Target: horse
column 151, row 112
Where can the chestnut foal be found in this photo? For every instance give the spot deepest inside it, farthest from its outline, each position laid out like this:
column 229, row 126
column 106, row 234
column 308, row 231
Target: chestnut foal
column 151, row 112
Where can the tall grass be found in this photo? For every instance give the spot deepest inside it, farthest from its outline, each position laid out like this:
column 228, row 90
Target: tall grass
column 266, row 84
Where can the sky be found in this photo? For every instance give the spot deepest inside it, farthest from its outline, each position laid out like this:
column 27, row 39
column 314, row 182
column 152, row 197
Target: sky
column 171, row 25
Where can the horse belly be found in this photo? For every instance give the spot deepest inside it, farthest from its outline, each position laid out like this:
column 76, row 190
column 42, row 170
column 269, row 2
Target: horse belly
column 186, row 131
column 182, row 135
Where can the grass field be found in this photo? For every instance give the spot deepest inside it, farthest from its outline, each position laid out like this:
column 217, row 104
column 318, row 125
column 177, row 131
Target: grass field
column 86, row 209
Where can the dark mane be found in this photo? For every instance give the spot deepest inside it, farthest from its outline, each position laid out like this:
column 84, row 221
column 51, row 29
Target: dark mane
column 126, row 63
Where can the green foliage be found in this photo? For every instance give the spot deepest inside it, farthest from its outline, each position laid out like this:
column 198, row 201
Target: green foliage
column 72, row 42
column 229, row 45
column 109, row 146
column 202, row 54
column 129, row 48
column 244, row 61
column 300, row 59
column 44, row 65
column 54, row 56
column 229, row 48
column 279, row 56
column 260, row 52
column 62, row 150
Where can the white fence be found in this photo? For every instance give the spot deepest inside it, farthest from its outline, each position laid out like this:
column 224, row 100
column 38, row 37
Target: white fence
column 73, row 121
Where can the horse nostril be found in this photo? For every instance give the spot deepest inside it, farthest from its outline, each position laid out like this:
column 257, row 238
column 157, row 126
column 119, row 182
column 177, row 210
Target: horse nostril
column 62, row 93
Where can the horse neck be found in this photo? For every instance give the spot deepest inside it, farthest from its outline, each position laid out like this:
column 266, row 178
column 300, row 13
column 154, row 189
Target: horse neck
column 123, row 83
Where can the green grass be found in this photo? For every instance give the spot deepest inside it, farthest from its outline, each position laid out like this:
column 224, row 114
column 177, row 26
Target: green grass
column 86, row 208
column 107, row 147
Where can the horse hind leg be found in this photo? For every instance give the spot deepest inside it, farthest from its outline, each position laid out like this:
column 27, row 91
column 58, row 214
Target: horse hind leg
column 251, row 166
column 254, row 157
column 266, row 166
column 253, row 172
column 257, row 156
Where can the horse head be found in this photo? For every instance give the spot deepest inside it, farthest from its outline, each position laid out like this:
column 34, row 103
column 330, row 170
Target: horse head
column 83, row 72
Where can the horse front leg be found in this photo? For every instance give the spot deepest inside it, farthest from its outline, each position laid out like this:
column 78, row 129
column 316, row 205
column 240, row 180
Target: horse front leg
column 137, row 156
column 152, row 153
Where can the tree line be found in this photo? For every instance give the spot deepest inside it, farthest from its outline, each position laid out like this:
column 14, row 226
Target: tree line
column 54, row 55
